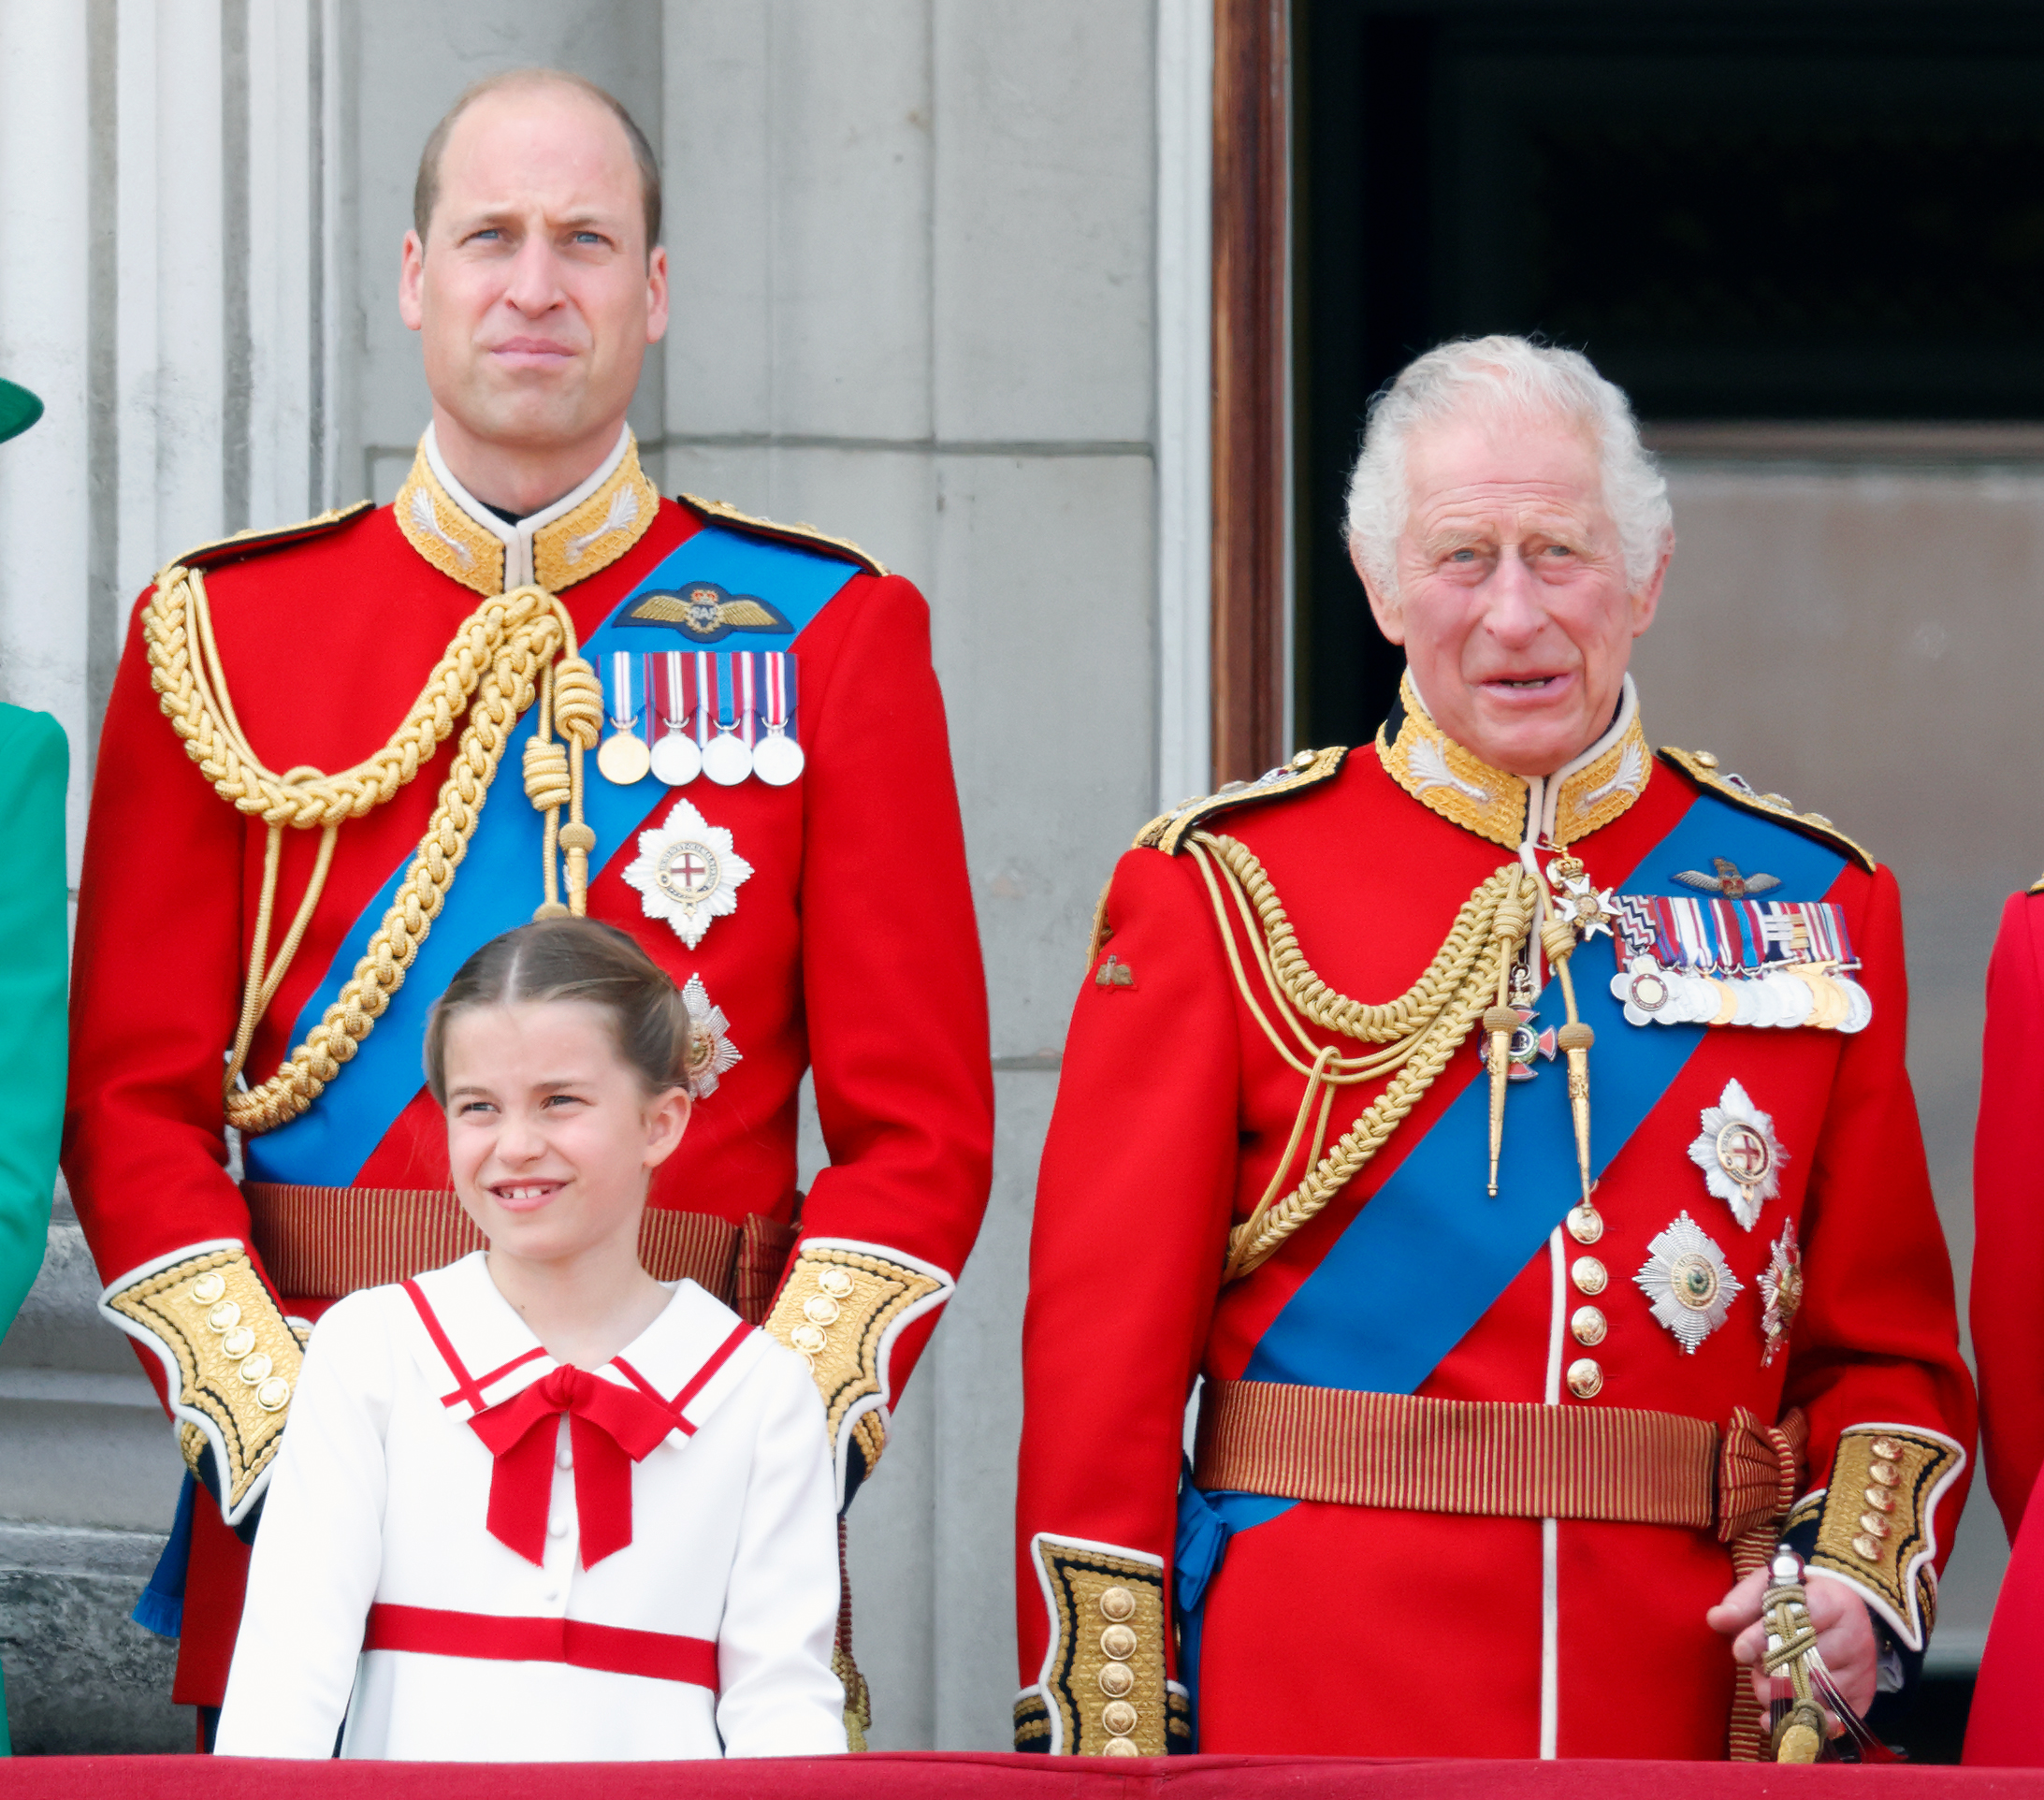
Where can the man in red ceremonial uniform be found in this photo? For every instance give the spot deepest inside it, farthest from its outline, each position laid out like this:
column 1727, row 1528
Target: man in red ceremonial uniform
column 1510, row 1125
column 340, row 756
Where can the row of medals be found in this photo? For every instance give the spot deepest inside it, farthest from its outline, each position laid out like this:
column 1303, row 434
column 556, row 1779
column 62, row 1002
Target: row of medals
column 677, row 757
column 1785, row 996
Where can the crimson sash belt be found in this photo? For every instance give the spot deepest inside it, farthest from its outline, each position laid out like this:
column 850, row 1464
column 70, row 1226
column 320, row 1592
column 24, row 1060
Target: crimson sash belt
column 610, row 1649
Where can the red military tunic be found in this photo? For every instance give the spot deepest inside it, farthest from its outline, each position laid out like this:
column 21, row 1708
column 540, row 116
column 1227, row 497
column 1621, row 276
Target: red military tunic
column 852, row 949
column 2004, row 1727
column 1463, row 1624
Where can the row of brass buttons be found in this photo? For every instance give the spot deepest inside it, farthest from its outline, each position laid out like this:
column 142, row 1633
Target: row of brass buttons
column 273, row 1391
column 1118, row 1644
column 1884, row 1477
column 1587, row 1324
column 819, row 1312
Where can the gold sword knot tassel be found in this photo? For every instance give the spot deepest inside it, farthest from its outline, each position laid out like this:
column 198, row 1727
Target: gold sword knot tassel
column 1791, row 1641
column 1508, row 928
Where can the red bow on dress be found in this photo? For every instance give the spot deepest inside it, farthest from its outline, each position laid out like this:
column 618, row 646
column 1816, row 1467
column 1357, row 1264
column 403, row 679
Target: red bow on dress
column 610, row 1427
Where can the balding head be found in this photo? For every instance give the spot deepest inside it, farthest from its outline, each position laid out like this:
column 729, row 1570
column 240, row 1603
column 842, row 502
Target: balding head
column 426, row 189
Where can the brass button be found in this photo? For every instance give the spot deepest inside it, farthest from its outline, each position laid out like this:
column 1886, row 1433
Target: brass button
column 1586, row 1223
column 273, row 1394
column 1704, row 759
column 1880, row 1499
column 238, row 1341
column 836, row 1283
column 808, row 1339
column 819, row 1308
column 225, row 1317
column 1588, row 1276
column 1120, row 1746
column 1116, row 1679
column 1874, row 1525
column 1866, row 1550
column 1586, row 1326
column 1118, row 1643
column 209, row 1287
column 1117, row 1603
column 1586, row 1379
column 1118, row 1716
column 1885, row 1473
column 1886, row 1449
column 255, row 1369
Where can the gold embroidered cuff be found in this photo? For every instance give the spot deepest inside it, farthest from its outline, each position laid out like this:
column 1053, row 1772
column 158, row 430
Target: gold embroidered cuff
column 1103, row 1685
column 234, row 1356
column 841, row 1307
column 1878, row 1529
column 1032, row 1721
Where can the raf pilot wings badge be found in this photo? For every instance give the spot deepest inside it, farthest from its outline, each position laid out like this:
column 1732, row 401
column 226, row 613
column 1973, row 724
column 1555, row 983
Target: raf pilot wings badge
column 704, row 612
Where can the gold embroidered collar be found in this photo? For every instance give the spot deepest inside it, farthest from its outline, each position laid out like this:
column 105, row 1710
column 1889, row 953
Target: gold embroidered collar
column 559, row 545
column 1584, row 796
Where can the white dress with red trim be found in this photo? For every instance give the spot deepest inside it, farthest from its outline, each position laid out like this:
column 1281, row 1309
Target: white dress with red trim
column 471, row 1552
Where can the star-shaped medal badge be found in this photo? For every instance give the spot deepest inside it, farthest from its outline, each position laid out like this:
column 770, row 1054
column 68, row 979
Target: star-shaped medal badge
column 1782, row 1291
column 711, row 1050
column 1587, row 909
column 1689, row 1282
column 1739, row 1155
column 687, row 872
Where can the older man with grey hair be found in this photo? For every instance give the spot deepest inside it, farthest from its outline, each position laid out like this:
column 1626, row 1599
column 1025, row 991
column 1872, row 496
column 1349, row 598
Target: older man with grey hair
column 1567, row 1333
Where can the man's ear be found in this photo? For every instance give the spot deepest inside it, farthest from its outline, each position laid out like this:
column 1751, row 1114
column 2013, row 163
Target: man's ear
column 411, row 282
column 1646, row 597
column 656, row 294
column 1384, row 607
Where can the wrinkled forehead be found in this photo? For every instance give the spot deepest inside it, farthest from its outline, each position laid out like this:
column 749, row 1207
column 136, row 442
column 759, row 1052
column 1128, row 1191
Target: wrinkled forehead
column 1502, row 461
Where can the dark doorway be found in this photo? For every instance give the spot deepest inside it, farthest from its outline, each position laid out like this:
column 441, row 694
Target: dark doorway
column 1815, row 211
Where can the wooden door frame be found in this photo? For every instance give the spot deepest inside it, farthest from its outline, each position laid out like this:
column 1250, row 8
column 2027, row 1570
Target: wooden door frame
column 1250, row 497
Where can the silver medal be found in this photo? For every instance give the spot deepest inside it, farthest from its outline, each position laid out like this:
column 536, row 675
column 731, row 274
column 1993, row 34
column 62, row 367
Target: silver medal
column 726, row 760
column 776, row 758
column 677, row 760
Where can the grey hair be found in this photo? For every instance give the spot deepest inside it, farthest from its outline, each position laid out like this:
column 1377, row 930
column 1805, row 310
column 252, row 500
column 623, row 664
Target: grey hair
column 1493, row 375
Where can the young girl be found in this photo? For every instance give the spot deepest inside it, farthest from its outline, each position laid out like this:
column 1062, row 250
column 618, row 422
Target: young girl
column 537, row 1505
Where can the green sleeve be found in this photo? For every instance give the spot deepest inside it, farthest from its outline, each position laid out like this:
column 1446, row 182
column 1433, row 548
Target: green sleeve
column 34, row 760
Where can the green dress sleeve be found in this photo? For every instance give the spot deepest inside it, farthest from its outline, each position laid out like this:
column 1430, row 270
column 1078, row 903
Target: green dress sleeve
column 35, row 957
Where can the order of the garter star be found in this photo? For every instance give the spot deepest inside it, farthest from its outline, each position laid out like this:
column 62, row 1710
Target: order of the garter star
column 687, row 872
column 1739, row 1155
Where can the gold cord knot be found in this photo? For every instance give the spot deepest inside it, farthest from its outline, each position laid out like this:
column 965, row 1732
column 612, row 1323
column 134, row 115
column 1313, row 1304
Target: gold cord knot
column 578, row 702
column 1557, row 938
column 547, row 783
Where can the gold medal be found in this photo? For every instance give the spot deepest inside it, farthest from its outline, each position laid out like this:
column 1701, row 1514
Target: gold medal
column 624, row 758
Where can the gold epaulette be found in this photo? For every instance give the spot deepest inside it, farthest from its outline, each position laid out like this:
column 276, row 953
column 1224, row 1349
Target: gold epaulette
column 244, row 543
column 804, row 537
column 1169, row 831
column 1700, row 768
column 2036, row 886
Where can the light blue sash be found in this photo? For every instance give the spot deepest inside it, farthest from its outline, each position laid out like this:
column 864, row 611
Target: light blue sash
column 498, row 885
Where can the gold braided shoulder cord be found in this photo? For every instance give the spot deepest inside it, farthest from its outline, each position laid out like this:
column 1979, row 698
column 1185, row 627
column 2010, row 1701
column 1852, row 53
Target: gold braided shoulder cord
column 503, row 655
column 1419, row 1031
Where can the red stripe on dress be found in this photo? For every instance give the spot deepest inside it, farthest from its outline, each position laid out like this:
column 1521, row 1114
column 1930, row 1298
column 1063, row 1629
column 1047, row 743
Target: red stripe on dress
column 465, row 1389
column 696, row 1382
column 489, row 1638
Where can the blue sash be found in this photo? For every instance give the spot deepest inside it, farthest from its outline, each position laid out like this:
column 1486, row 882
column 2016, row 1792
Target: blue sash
column 498, row 885
column 1431, row 1252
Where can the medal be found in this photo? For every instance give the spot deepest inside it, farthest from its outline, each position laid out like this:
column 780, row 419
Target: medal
column 776, row 758
column 710, row 1047
column 623, row 758
column 1739, row 1155
column 725, row 758
column 687, row 873
column 1782, row 1291
column 1689, row 1282
column 678, row 760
